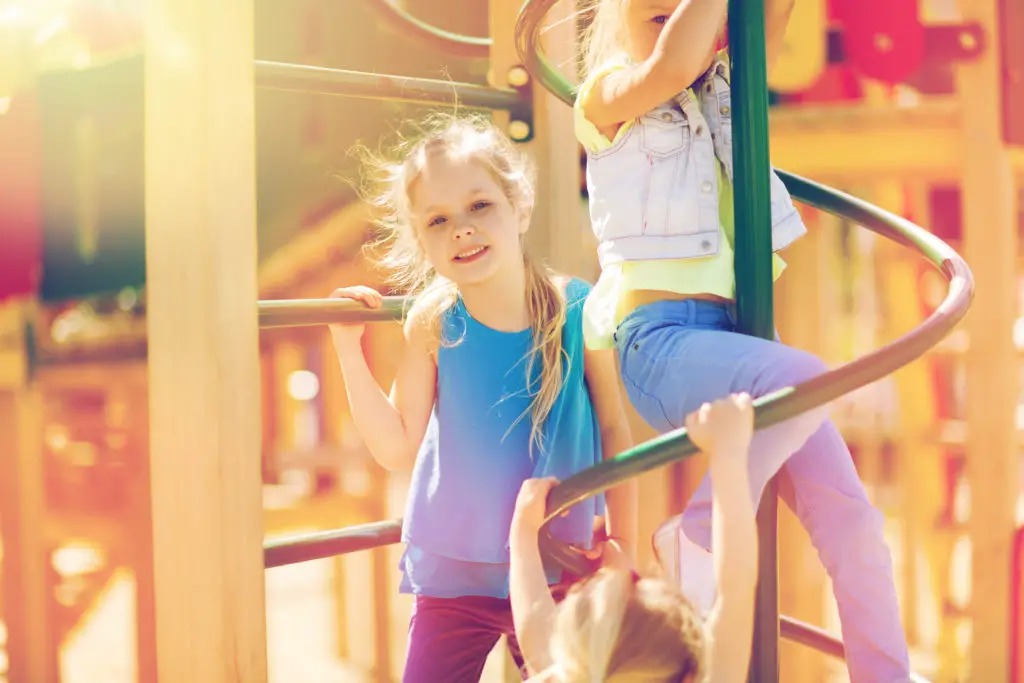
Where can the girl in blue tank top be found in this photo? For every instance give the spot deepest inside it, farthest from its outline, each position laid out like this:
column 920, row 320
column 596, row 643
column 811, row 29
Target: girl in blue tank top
column 494, row 387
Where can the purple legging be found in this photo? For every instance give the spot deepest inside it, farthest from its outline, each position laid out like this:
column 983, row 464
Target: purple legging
column 450, row 638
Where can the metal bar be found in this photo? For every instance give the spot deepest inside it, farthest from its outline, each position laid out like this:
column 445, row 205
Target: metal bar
column 436, row 38
column 754, row 284
column 321, row 544
column 813, row 637
column 125, row 351
column 309, row 312
column 326, row 81
column 272, row 314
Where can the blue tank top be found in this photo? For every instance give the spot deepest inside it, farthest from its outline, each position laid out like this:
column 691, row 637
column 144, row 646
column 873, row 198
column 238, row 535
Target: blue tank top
column 473, row 461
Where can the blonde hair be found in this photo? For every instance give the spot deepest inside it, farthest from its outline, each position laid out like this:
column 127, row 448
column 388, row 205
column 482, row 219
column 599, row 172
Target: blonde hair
column 620, row 628
column 471, row 138
column 602, row 37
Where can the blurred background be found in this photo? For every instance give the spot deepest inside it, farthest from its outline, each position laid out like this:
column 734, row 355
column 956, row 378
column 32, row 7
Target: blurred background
column 853, row 107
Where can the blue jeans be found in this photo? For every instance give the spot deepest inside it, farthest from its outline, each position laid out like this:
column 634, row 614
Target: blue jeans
column 676, row 355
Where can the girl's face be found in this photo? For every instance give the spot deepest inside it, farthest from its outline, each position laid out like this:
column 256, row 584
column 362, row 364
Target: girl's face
column 644, row 20
column 465, row 224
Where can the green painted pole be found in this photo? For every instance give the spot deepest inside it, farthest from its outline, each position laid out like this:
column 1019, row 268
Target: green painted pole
column 753, row 266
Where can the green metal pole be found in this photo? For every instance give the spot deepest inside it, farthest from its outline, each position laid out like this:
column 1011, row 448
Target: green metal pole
column 753, row 266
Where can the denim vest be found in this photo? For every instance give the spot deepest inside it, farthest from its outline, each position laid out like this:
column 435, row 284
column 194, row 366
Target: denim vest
column 654, row 192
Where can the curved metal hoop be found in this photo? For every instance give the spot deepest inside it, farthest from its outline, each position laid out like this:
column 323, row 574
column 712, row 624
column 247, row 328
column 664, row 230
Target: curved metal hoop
column 429, row 35
column 527, row 39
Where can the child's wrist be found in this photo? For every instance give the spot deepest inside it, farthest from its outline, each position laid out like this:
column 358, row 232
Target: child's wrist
column 348, row 348
column 730, row 454
column 523, row 533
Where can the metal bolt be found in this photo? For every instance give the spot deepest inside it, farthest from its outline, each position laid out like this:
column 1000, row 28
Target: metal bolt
column 518, row 130
column 518, row 76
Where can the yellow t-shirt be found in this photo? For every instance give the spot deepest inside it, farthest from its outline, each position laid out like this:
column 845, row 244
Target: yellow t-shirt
column 604, row 309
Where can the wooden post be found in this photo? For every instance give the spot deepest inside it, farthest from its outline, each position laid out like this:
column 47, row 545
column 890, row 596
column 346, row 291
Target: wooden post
column 27, row 603
column 802, row 297
column 920, row 461
column 203, row 342
column 381, row 566
column 991, row 247
column 556, row 230
column 141, row 526
column 335, row 405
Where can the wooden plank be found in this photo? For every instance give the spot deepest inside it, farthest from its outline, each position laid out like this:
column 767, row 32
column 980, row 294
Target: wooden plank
column 140, row 526
column 853, row 143
column 203, row 342
column 843, row 143
column 1011, row 24
column 556, row 229
column 991, row 248
column 803, row 304
column 25, row 572
column 335, row 408
column 388, row 663
column 921, row 471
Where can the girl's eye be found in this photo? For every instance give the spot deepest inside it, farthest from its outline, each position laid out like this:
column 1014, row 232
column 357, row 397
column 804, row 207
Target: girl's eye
column 436, row 220
column 660, row 19
column 482, row 204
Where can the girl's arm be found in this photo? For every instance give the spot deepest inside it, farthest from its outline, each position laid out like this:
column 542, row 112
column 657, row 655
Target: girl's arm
column 602, row 377
column 724, row 430
column 682, row 53
column 392, row 426
column 533, row 608
column 734, row 539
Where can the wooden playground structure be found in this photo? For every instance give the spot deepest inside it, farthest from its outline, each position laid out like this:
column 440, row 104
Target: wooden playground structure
column 179, row 393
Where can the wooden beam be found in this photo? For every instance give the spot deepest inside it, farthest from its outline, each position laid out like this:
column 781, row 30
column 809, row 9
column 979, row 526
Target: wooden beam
column 387, row 662
column 921, row 471
column 133, row 391
column 991, row 247
column 27, row 606
column 803, row 303
column 204, row 386
column 840, row 143
column 556, row 229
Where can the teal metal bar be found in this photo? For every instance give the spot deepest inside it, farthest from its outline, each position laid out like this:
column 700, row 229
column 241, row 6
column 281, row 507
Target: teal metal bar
column 443, row 41
column 309, row 312
column 321, row 544
column 754, row 288
column 325, row 81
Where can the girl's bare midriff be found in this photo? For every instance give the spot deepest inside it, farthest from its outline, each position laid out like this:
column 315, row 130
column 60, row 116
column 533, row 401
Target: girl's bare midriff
column 641, row 297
